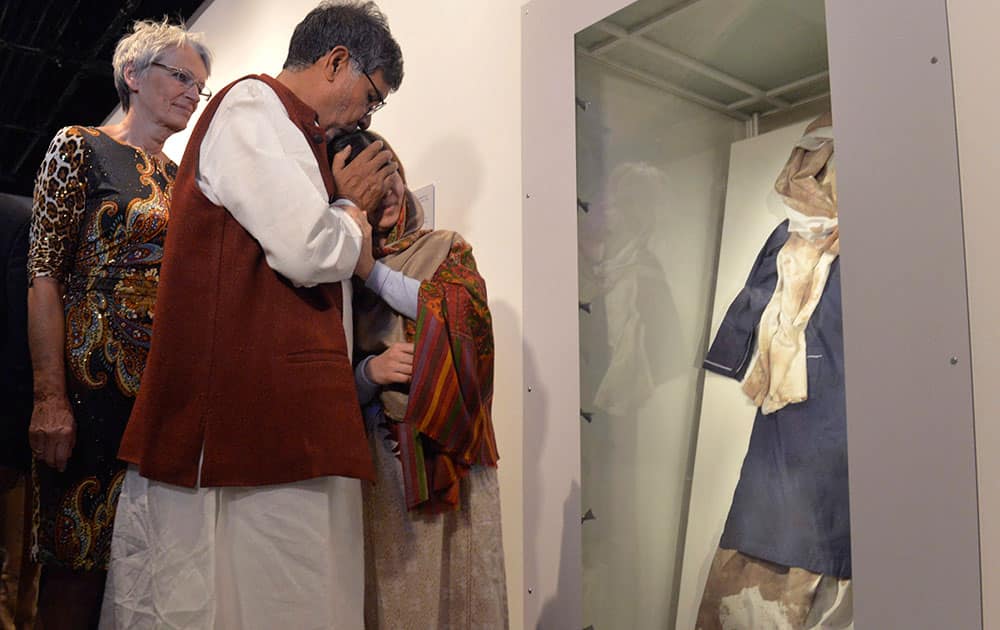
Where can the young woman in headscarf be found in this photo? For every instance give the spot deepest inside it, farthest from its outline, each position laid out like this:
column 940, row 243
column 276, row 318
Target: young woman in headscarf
column 423, row 334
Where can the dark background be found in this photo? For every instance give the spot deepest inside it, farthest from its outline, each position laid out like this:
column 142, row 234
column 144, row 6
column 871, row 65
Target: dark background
column 55, row 70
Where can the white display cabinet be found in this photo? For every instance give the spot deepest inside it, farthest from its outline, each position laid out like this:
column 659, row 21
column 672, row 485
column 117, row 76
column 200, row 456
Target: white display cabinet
column 653, row 132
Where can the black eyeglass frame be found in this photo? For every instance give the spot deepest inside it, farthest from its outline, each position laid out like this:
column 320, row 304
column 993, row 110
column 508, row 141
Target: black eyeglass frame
column 374, row 107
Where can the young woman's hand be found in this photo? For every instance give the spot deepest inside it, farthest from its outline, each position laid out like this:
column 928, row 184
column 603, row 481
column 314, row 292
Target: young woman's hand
column 394, row 365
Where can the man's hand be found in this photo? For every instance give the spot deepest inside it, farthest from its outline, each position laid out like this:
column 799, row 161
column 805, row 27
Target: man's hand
column 52, row 433
column 366, row 260
column 395, row 365
column 363, row 180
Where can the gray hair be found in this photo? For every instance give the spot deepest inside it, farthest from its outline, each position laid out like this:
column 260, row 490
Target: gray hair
column 145, row 44
column 360, row 27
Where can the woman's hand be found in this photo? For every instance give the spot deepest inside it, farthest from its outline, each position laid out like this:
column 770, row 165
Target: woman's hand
column 52, row 432
column 394, row 365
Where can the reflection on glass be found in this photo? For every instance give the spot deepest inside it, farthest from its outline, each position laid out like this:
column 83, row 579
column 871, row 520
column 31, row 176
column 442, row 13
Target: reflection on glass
column 619, row 268
column 649, row 168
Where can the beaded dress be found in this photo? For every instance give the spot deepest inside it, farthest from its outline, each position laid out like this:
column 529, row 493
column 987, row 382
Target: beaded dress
column 98, row 225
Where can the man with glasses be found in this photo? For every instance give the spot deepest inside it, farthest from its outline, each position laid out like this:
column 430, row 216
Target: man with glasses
column 242, row 506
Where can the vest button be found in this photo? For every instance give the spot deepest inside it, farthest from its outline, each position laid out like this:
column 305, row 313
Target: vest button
column 318, row 139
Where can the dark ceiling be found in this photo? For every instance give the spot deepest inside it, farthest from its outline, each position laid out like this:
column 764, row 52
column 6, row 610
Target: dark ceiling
column 55, row 70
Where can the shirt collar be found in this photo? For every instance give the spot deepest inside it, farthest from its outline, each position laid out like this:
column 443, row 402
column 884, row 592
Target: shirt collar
column 301, row 113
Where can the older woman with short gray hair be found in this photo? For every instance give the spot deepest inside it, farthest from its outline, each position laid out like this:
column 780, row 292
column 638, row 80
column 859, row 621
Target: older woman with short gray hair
column 143, row 49
column 98, row 224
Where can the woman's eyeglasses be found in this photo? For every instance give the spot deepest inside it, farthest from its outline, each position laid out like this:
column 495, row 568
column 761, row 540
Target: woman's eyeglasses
column 184, row 77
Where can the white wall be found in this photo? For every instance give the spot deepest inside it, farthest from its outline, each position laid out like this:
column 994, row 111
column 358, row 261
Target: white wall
column 726, row 414
column 972, row 26
column 456, row 123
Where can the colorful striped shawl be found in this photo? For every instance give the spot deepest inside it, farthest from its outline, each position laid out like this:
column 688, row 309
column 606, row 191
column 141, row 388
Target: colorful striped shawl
column 444, row 425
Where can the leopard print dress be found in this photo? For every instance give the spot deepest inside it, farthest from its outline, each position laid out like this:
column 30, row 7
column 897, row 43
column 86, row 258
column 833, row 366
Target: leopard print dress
column 98, row 225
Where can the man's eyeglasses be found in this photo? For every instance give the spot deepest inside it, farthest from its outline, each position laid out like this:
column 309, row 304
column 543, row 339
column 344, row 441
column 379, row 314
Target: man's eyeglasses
column 184, row 77
column 373, row 106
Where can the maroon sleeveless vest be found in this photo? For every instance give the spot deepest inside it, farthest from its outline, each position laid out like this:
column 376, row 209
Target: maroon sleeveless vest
column 241, row 361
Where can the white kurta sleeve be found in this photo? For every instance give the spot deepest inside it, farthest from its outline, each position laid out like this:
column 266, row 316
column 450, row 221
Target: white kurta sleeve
column 255, row 162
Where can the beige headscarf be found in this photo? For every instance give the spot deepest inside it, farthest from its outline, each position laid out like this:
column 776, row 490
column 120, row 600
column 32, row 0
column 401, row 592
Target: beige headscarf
column 807, row 186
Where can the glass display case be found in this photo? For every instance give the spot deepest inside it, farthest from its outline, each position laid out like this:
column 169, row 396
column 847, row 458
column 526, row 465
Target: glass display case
column 686, row 115
column 726, row 415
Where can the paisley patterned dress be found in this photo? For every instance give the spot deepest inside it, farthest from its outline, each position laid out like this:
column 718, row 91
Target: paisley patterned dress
column 98, row 226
